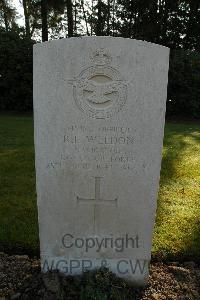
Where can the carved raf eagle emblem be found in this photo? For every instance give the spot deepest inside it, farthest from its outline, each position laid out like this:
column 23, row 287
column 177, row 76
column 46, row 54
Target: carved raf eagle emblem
column 99, row 90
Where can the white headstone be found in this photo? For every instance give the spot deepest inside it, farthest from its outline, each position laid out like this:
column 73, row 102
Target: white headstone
column 99, row 108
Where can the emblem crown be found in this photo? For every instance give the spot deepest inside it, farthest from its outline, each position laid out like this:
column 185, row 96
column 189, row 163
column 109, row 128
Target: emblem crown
column 101, row 57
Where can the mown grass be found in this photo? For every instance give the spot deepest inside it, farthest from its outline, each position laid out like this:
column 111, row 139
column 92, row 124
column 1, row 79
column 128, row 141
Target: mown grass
column 18, row 212
column 177, row 229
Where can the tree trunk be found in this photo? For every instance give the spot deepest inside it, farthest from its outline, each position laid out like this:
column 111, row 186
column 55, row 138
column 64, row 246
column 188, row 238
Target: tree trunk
column 26, row 16
column 75, row 18
column 113, row 18
column 192, row 31
column 5, row 21
column 69, row 18
column 44, row 13
column 84, row 16
column 108, row 18
column 153, row 21
column 131, row 18
column 5, row 17
column 99, row 20
column 91, row 24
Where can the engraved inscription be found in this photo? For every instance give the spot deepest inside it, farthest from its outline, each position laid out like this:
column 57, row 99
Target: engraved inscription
column 99, row 90
column 97, row 200
column 100, row 148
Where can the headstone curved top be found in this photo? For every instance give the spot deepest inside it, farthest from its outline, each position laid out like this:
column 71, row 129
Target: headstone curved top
column 99, row 107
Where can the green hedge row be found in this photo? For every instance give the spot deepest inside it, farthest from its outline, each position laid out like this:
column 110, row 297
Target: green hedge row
column 16, row 77
column 16, row 72
column 184, row 84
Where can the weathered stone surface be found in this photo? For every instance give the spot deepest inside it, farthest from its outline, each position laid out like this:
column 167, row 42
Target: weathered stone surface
column 99, row 106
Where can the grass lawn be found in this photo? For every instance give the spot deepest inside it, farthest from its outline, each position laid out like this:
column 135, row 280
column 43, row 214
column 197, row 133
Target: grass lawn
column 177, row 229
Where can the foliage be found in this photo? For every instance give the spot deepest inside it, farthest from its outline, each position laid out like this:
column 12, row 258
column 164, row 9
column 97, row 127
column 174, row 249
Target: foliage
column 175, row 24
column 178, row 203
column 16, row 77
column 184, row 84
column 7, row 14
column 99, row 284
column 15, row 71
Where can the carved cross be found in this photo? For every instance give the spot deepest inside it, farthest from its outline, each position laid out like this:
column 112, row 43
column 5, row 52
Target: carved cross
column 97, row 200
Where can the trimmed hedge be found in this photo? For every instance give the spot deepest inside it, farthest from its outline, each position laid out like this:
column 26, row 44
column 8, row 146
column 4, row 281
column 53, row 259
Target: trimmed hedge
column 16, row 72
column 184, row 84
column 16, row 75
